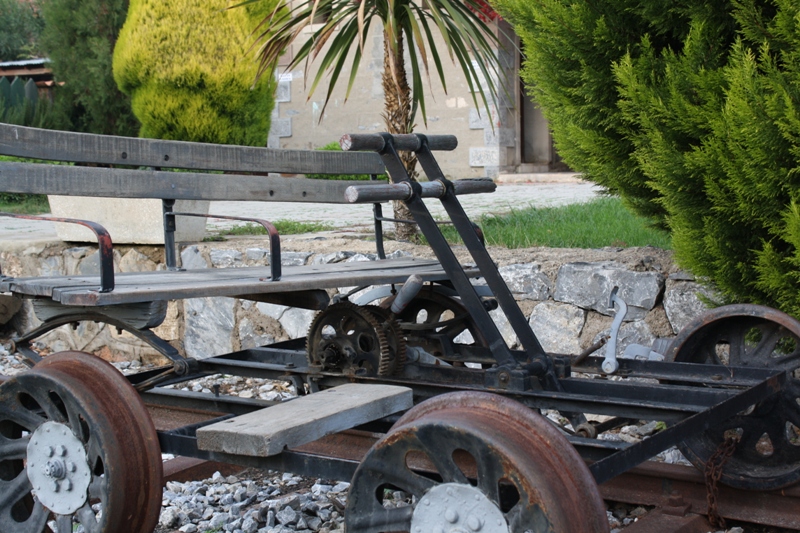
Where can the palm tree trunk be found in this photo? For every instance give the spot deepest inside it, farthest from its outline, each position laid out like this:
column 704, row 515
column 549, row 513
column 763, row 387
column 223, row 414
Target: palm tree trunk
column 397, row 116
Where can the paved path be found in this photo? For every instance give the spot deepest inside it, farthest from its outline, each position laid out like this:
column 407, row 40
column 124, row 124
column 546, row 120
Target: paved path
column 506, row 198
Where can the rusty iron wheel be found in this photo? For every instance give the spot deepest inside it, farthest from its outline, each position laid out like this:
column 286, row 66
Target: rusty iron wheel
column 474, row 460
column 421, row 320
column 70, row 416
column 768, row 454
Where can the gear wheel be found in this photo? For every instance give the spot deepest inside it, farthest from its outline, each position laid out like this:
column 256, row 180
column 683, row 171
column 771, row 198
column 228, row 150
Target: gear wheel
column 349, row 338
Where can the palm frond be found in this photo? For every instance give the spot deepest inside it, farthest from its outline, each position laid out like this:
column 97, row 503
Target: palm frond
column 468, row 41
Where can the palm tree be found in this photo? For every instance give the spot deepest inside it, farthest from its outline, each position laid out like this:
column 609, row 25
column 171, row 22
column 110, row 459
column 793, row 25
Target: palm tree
column 462, row 24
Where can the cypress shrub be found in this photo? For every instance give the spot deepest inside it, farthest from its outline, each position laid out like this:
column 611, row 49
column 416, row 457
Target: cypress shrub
column 188, row 68
column 79, row 37
column 21, row 28
column 691, row 112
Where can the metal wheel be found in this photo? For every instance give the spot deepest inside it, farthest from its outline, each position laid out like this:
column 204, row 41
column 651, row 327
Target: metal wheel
column 355, row 339
column 474, row 462
column 77, row 447
column 767, row 456
column 433, row 320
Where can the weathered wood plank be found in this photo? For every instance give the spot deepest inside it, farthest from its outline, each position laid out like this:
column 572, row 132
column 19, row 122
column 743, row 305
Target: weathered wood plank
column 305, row 419
column 88, row 148
column 64, row 180
column 170, row 285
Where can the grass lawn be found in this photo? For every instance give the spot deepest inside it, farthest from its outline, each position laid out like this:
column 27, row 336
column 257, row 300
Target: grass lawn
column 595, row 224
column 24, row 204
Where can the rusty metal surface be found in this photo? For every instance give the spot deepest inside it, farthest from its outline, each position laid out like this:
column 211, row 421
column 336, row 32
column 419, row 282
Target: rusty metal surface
column 767, row 455
column 651, row 482
column 500, row 437
column 169, row 418
column 108, row 417
column 184, row 469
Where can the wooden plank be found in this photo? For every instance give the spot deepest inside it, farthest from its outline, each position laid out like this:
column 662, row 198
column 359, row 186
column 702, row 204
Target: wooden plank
column 30, row 178
column 160, row 285
column 127, row 294
column 88, row 148
column 305, row 419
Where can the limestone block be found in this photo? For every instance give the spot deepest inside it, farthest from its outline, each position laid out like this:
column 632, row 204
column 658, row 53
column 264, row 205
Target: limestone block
column 128, row 220
column 361, row 257
column 637, row 332
column 274, row 311
column 192, row 259
column 256, row 254
column 251, row 337
column 482, row 157
column 527, row 281
column 135, row 261
column 505, row 328
column 281, row 127
column 295, row 321
column 335, row 257
column 72, row 258
column 209, row 326
column 682, row 302
column 589, row 285
column 9, row 305
column 558, row 326
column 225, row 258
column 284, row 91
column 293, row 258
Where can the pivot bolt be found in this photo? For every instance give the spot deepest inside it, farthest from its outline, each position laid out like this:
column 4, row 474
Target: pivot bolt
column 474, row 523
column 61, row 450
column 451, row 516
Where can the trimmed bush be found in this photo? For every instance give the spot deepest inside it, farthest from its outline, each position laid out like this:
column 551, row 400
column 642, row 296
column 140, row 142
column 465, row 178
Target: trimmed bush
column 691, row 112
column 189, row 70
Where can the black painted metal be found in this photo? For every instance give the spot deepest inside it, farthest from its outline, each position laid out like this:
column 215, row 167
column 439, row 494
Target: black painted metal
column 272, row 233
column 447, row 258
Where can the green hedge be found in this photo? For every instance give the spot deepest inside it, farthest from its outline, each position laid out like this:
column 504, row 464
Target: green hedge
column 691, row 112
column 334, row 147
column 188, row 67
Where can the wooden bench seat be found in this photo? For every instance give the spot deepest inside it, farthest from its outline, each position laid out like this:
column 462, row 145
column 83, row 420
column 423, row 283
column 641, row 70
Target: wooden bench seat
column 137, row 287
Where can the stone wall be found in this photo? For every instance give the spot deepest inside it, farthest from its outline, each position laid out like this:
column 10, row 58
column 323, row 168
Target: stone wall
column 565, row 298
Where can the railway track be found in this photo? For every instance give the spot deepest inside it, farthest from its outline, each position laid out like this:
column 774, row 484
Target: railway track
column 678, row 493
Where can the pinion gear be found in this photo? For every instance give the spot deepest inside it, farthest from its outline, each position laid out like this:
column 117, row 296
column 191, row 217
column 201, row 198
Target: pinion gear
column 348, row 338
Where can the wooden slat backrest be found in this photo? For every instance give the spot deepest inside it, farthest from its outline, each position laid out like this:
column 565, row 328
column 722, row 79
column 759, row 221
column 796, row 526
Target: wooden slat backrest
column 104, row 149
column 148, row 154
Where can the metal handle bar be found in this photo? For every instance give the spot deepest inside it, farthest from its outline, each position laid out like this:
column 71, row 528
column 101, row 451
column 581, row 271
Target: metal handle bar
column 362, row 194
column 360, row 142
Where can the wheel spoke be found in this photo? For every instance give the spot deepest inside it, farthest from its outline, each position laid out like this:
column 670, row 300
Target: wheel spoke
column 442, row 459
column 397, row 519
column 737, row 348
column 23, row 417
column 11, row 449
column 64, row 523
column 490, row 472
column 524, row 518
column 35, row 523
column 771, row 335
column 87, row 518
column 14, row 490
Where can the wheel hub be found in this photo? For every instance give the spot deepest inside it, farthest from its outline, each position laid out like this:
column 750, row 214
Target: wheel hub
column 457, row 508
column 57, row 468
